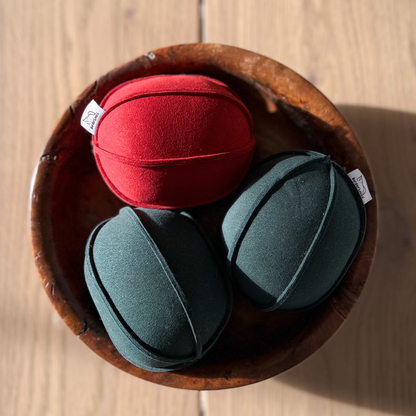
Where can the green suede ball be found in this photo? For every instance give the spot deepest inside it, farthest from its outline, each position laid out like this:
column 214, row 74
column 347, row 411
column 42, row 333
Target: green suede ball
column 293, row 231
column 160, row 291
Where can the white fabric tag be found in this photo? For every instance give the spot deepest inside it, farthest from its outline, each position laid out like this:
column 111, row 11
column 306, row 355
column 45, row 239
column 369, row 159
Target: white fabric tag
column 91, row 116
column 361, row 184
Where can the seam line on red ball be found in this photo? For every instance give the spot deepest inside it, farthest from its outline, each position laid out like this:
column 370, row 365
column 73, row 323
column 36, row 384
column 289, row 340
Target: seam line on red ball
column 229, row 98
column 136, row 203
column 146, row 78
column 179, row 161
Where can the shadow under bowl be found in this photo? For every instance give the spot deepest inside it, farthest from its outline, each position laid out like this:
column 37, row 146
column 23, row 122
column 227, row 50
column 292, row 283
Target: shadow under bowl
column 69, row 198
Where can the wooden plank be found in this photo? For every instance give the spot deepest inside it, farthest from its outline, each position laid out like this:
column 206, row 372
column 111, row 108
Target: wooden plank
column 49, row 52
column 362, row 55
column 347, row 49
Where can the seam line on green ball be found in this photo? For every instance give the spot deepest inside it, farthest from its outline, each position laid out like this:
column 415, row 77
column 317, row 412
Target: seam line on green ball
column 171, row 278
column 315, row 241
column 363, row 223
column 119, row 320
column 258, row 204
column 185, row 204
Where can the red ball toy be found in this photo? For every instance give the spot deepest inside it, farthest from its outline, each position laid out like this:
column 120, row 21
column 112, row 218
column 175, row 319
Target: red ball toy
column 173, row 141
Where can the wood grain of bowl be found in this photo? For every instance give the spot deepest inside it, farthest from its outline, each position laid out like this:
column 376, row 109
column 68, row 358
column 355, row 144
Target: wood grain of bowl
column 69, row 198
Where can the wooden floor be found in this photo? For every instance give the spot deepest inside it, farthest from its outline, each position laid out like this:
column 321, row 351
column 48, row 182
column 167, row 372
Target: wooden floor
column 360, row 53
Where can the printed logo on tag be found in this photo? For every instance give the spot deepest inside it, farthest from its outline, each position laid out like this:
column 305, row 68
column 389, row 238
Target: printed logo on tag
column 361, row 184
column 91, row 116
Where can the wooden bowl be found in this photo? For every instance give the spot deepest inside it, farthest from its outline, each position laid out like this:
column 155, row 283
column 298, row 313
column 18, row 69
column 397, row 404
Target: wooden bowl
column 69, row 199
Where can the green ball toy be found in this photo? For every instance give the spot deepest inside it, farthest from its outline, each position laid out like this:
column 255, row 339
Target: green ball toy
column 158, row 286
column 293, row 231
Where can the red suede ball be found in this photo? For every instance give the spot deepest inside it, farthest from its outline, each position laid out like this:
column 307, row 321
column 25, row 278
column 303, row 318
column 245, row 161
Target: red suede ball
column 173, row 141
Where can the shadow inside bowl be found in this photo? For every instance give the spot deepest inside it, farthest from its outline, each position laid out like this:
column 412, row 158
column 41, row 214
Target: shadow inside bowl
column 370, row 361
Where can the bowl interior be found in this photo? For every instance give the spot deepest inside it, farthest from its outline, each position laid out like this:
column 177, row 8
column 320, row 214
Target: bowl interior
column 69, row 199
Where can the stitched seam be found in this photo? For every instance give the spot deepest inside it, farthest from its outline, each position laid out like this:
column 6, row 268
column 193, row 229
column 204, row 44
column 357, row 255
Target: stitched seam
column 315, row 241
column 197, row 93
column 120, row 321
column 255, row 208
column 138, row 203
column 362, row 215
column 171, row 278
column 178, row 161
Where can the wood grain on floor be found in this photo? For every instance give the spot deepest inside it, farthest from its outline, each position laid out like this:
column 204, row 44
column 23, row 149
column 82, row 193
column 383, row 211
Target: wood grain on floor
column 49, row 52
column 360, row 54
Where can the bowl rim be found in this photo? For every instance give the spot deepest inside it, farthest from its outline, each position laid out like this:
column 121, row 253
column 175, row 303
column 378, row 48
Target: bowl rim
column 265, row 75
